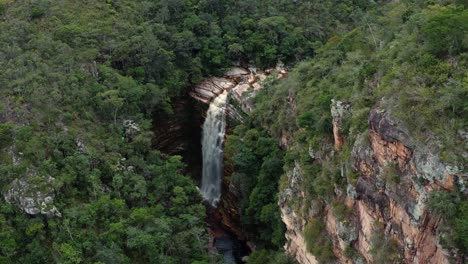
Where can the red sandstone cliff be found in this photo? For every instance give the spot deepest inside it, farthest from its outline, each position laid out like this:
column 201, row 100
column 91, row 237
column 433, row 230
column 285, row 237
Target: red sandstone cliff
column 395, row 175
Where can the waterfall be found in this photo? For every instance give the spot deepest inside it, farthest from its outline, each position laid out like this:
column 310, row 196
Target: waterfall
column 214, row 129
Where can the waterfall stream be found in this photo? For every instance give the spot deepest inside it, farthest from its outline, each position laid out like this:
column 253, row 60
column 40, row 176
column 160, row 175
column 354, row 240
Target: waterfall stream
column 214, row 130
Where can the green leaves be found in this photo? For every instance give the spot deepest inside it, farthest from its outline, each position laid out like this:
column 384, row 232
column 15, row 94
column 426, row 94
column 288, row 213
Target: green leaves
column 317, row 241
column 69, row 254
column 6, row 134
column 257, row 162
column 446, row 31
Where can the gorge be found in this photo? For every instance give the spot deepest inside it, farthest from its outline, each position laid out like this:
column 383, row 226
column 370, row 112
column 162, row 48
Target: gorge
column 363, row 209
column 220, row 131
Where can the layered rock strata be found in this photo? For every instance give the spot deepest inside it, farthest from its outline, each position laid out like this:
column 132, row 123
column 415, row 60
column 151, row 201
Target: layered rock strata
column 396, row 174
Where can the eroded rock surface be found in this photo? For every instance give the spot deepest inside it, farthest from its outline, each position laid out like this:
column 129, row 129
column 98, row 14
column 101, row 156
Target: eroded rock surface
column 242, row 83
column 339, row 110
column 296, row 245
column 396, row 174
column 33, row 194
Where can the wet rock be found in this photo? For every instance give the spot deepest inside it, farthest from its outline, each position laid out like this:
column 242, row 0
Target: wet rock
column 237, row 71
column 242, row 83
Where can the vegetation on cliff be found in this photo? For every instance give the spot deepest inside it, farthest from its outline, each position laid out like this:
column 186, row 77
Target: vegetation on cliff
column 402, row 54
column 257, row 162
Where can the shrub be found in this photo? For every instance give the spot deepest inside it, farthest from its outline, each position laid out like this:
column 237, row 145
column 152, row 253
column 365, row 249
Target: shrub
column 390, row 173
column 454, row 210
column 383, row 249
column 340, row 211
column 6, row 135
column 3, row 6
column 444, row 203
column 461, row 226
column 445, row 32
column 317, row 241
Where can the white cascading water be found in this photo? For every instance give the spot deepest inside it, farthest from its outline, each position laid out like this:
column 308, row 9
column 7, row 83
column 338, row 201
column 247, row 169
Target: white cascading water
column 214, row 130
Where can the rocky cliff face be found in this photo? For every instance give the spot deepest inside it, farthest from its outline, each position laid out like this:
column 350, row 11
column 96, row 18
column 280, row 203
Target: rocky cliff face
column 296, row 244
column 395, row 173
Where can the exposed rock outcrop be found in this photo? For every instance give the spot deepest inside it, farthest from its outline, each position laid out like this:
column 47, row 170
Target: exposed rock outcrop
column 339, row 112
column 296, row 244
column 178, row 132
column 396, row 174
column 242, row 83
column 33, row 194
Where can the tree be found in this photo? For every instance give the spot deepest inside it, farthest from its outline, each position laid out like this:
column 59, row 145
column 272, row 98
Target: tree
column 112, row 99
column 445, row 32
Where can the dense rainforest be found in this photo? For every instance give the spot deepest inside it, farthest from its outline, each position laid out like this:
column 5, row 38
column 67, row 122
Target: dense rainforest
column 81, row 83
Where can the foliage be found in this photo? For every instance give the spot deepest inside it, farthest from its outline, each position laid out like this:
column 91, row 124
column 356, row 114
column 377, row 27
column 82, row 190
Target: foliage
column 446, row 30
column 257, row 162
column 383, row 249
column 72, row 72
column 318, row 242
column 265, row 256
column 390, row 173
column 410, row 57
column 340, row 210
column 453, row 209
column 444, row 203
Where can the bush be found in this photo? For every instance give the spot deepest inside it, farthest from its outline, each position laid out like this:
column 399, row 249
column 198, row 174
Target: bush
column 340, row 211
column 390, row 174
column 383, row 249
column 38, row 9
column 318, row 242
column 445, row 32
column 3, row 6
column 6, row 135
column 454, row 210
column 444, row 204
column 461, row 226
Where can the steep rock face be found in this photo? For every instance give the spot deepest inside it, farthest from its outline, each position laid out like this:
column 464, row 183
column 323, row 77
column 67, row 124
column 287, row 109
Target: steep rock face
column 173, row 132
column 396, row 174
column 296, row 244
column 339, row 112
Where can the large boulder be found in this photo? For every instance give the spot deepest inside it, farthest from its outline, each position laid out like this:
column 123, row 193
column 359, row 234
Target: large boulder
column 33, row 194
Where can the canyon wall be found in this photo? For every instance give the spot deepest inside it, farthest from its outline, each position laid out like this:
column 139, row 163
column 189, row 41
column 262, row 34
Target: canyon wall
column 395, row 174
column 385, row 202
